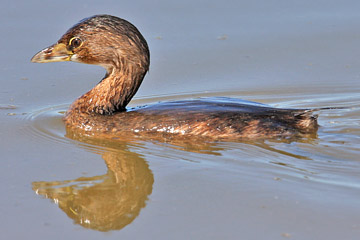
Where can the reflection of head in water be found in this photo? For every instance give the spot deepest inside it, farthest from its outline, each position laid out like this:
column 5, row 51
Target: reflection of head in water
column 107, row 202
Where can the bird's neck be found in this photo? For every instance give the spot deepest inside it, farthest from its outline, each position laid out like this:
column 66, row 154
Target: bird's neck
column 112, row 94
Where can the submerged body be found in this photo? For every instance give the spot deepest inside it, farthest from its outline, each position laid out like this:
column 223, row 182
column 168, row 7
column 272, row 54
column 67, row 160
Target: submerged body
column 119, row 47
column 225, row 119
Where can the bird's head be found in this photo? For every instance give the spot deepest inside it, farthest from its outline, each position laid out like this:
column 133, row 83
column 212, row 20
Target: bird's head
column 103, row 40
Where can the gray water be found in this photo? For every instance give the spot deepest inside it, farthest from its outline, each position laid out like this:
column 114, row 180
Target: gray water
column 282, row 53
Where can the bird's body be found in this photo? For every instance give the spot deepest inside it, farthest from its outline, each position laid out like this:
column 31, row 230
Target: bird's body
column 119, row 47
column 202, row 118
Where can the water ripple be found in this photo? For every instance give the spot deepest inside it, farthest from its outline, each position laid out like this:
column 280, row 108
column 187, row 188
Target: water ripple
column 331, row 158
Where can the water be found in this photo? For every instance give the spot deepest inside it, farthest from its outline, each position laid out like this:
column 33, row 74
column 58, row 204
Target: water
column 56, row 184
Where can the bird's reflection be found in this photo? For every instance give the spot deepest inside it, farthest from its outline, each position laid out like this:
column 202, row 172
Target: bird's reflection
column 106, row 202
column 113, row 200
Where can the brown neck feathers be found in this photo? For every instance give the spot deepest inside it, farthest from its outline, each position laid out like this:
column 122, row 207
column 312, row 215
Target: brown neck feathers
column 113, row 93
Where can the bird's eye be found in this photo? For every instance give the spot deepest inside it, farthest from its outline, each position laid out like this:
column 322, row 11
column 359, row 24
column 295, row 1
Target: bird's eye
column 75, row 42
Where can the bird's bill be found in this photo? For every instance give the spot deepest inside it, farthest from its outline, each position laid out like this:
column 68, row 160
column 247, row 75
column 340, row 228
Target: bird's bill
column 55, row 53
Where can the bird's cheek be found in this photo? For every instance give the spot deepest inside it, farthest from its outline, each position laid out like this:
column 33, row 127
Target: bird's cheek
column 80, row 56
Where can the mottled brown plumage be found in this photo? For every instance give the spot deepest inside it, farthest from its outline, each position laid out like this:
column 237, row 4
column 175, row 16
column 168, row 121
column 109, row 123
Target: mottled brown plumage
column 120, row 48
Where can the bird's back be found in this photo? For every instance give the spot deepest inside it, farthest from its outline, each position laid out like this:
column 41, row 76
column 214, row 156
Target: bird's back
column 216, row 118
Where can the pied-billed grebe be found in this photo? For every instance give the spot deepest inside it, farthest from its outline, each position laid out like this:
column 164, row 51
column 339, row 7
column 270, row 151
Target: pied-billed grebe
column 119, row 47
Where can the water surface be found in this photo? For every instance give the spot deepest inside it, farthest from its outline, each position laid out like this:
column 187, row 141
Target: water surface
column 57, row 184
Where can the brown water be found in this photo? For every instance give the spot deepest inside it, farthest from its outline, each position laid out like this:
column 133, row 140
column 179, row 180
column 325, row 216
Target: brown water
column 58, row 185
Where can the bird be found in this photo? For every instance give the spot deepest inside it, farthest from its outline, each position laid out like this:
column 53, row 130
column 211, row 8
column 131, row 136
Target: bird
column 119, row 47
